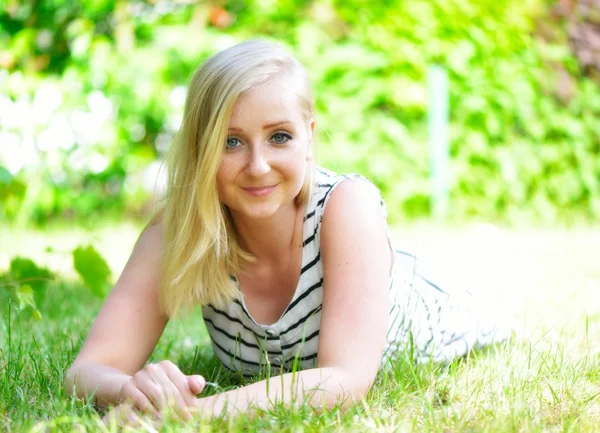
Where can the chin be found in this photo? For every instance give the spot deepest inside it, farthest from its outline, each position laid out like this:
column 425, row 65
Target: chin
column 261, row 209
column 263, row 212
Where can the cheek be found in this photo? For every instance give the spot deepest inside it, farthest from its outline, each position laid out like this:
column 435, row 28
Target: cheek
column 223, row 178
column 297, row 166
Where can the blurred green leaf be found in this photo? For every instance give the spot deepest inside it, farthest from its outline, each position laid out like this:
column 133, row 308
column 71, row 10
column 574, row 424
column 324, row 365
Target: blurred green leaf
column 23, row 270
column 5, row 176
column 92, row 269
column 10, row 186
column 25, row 296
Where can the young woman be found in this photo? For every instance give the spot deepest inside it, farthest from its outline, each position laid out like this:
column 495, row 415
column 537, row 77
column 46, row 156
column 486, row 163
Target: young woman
column 291, row 263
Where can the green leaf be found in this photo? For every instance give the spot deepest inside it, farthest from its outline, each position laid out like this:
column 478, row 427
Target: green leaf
column 5, row 176
column 26, row 270
column 25, row 297
column 10, row 186
column 92, row 269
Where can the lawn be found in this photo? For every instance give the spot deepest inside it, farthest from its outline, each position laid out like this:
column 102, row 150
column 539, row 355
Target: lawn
column 546, row 380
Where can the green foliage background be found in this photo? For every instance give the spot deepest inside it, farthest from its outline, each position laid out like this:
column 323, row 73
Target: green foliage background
column 91, row 93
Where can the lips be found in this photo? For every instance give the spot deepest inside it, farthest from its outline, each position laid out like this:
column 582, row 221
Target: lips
column 259, row 191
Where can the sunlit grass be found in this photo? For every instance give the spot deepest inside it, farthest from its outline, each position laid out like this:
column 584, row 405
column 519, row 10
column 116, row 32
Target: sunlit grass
column 546, row 380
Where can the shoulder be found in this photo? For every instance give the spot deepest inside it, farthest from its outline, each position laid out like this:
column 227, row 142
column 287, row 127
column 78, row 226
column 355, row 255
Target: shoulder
column 354, row 200
column 343, row 205
column 153, row 233
column 345, row 188
column 352, row 207
column 336, row 192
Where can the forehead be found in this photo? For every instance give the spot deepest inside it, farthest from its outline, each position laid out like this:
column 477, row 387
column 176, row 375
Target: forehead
column 278, row 98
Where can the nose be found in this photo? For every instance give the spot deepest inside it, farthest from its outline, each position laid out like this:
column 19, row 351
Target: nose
column 258, row 165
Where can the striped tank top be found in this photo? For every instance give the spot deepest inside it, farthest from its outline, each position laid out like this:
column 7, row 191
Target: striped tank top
column 422, row 315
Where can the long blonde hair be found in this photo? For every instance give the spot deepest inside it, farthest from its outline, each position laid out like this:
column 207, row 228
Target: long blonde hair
column 201, row 251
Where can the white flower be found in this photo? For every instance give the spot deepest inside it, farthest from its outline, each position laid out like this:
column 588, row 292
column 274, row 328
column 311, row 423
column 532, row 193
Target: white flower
column 97, row 162
column 87, row 127
column 58, row 135
column 163, row 141
column 177, row 96
column 19, row 115
column 224, row 41
column 100, row 105
column 137, row 131
column 10, row 151
column 174, row 122
column 5, row 108
column 46, row 101
column 17, row 151
column 77, row 159
column 81, row 160
column 154, row 179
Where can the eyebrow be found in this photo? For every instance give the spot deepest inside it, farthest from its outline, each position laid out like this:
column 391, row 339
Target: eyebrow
column 267, row 126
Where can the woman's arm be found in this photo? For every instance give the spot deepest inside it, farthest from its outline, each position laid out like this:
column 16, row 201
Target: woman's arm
column 319, row 387
column 356, row 264
column 124, row 335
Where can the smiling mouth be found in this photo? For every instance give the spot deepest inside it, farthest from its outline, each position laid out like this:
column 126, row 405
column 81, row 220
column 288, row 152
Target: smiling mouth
column 259, row 191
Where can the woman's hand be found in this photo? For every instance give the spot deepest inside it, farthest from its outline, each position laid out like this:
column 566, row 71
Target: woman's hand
column 125, row 415
column 162, row 387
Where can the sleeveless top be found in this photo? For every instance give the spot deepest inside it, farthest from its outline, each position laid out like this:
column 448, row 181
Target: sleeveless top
column 422, row 317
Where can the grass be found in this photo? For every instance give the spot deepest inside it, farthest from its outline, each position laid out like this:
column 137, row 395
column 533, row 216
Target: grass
column 546, row 380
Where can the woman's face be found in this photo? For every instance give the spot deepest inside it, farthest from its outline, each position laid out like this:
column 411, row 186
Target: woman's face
column 268, row 145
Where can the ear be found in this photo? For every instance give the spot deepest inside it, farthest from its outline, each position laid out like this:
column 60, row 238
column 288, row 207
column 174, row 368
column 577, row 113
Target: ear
column 311, row 131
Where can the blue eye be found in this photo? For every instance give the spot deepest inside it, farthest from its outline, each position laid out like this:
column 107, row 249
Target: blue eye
column 281, row 138
column 232, row 143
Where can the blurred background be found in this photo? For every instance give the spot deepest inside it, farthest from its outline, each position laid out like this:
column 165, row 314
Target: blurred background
column 478, row 115
column 91, row 94
column 479, row 120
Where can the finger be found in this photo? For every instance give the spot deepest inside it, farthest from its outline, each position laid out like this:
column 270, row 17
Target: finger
column 145, row 382
column 138, row 399
column 132, row 418
column 196, row 383
column 140, row 423
column 180, row 381
column 174, row 396
column 111, row 418
column 116, row 417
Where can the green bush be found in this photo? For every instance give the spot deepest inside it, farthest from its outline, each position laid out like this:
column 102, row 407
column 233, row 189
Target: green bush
column 101, row 86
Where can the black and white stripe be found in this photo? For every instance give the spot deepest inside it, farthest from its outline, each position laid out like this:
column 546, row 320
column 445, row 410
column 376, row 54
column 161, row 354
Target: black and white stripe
column 421, row 313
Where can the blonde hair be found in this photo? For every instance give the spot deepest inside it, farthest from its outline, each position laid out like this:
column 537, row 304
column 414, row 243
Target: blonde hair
column 201, row 252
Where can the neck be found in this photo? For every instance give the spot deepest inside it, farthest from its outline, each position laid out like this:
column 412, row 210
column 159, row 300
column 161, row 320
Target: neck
column 271, row 239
